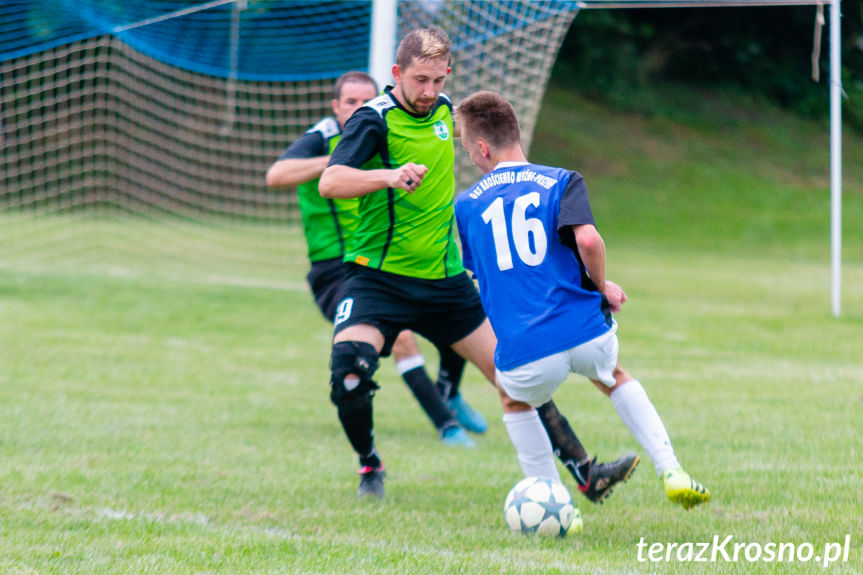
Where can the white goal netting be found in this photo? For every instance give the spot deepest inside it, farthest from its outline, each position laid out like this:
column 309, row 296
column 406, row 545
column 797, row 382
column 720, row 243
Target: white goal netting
column 126, row 143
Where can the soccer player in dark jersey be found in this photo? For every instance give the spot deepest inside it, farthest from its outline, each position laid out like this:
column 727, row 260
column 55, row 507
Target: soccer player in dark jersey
column 396, row 155
column 529, row 236
column 328, row 226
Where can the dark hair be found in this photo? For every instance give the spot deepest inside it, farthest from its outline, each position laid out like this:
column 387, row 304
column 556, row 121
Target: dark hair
column 489, row 116
column 353, row 77
column 424, row 44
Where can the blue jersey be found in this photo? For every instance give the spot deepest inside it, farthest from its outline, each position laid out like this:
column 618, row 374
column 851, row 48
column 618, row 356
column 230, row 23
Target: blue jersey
column 514, row 226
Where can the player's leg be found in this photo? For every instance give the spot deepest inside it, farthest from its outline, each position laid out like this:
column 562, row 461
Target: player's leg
column 535, row 383
column 450, row 372
column 635, row 409
column 449, row 382
column 461, row 323
column 451, row 311
column 595, row 480
column 525, row 430
column 410, row 364
column 532, row 446
column 353, row 362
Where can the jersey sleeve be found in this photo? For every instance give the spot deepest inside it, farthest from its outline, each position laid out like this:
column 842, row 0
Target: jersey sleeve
column 461, row 226
column 575, row 204
column 363, row 136
column 312, row 144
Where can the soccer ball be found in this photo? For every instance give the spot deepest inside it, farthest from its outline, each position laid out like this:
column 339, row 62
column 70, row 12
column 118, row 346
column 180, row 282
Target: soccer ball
column 541, row 506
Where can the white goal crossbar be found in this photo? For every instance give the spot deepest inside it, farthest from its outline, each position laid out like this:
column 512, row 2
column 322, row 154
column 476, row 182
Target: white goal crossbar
column 835, row 109
column 383, row 43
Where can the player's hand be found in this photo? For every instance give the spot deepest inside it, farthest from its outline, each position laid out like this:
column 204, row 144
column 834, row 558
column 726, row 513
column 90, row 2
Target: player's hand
column 408, row 177
column 615, row 295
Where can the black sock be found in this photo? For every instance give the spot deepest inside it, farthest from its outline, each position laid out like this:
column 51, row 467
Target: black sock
column 451, row 370
column 565, row 443
column 582, row 472
column 428, row 397
column 371, row 460
column 359, row 427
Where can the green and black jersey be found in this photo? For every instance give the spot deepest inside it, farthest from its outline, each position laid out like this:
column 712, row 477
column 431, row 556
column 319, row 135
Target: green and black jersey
column 328, row 224
column 410, row 234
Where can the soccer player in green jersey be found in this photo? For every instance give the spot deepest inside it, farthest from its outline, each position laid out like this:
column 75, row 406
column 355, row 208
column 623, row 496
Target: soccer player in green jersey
column 329, row 225
column 396, row 155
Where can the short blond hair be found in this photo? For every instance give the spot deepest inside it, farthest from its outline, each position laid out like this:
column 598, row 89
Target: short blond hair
column 424, row 44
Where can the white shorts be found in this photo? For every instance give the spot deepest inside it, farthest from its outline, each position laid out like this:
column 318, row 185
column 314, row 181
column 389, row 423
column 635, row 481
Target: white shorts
column 534, row 383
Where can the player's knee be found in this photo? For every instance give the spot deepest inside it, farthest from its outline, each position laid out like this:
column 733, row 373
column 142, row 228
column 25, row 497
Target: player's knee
column 405, row 346
column 353, row 364
column 511, row 405
column 621, row 376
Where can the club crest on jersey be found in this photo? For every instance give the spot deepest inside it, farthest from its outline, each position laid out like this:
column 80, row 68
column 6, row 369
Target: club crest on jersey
column 441, row 130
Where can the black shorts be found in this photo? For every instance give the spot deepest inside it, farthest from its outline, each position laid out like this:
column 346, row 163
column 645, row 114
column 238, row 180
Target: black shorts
column 327, row 278
column 443, row 311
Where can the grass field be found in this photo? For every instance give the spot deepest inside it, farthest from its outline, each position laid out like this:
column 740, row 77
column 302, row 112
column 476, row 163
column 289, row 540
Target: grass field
column 163, row 388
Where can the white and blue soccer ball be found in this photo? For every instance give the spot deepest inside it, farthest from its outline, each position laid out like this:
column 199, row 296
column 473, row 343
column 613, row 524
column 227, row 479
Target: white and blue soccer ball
column 542, row 506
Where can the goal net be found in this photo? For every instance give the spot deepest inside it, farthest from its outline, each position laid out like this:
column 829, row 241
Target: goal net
column 141, row 131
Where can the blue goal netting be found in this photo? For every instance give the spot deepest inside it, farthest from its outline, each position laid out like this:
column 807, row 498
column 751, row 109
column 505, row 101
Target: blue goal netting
column 270, row 40
column 257, row 40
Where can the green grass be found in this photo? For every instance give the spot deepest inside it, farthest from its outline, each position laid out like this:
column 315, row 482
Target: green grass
column 164, row 405
column 717, row 173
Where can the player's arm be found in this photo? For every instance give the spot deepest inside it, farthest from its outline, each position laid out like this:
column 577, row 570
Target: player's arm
column 591, row 249
column 577, row 217
column 303, row 161
column 292, row 172
column 364, row 137
column 340, row 181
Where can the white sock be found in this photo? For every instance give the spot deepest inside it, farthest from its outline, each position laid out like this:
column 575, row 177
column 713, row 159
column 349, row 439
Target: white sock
column 531, row 443
column 406, row 364
column 637, row 412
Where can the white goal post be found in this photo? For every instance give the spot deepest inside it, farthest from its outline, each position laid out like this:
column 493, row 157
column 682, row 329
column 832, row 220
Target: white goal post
column 835, row 108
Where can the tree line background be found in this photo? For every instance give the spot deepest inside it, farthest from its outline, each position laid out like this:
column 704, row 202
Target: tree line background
column 619, row 55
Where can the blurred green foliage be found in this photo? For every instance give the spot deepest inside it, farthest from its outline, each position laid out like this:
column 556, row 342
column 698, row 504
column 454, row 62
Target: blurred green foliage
column 618, row 55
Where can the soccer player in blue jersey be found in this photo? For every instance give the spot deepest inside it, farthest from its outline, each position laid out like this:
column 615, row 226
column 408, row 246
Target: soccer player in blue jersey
column 329, row 225
column 528, row 234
